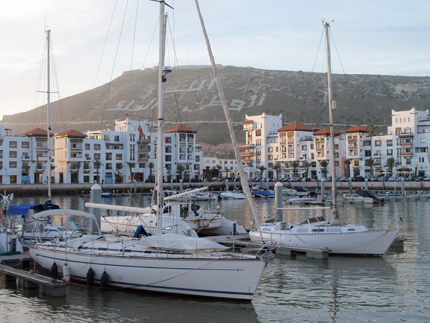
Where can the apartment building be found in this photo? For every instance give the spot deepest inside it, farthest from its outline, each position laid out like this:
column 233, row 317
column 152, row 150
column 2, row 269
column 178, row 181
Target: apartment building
column 221, row 167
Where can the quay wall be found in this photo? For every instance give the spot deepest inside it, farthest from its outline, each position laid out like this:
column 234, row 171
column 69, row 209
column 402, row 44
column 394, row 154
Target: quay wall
column 78, row 189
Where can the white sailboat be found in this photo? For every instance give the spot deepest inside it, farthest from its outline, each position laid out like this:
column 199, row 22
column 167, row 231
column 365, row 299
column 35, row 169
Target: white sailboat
column 318, row 233
column 167, row 263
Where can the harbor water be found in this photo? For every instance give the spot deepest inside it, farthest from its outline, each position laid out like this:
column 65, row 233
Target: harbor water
column 393, row 288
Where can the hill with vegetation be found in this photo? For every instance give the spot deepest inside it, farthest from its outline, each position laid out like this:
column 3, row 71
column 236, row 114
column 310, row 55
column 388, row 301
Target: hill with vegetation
column 192, row 99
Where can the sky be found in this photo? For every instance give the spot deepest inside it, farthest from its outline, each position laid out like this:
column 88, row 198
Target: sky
column 94, row 41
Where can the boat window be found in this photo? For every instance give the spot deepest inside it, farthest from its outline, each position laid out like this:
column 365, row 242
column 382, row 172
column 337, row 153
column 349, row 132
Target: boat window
column 317, row 230
column 321, row 218
column 103, row 248
column 302, row 230
column 304, row 222
column 351, row 229
column 333, row 229
column 141, row 251
column 313, row 220
column 127, row 250
column 148, row 251
column 113, row 249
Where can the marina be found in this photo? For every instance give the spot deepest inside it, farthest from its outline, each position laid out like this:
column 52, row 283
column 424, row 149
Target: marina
column 393, row 287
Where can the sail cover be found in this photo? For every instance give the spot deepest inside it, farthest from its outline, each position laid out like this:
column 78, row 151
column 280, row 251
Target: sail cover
column 179, row 242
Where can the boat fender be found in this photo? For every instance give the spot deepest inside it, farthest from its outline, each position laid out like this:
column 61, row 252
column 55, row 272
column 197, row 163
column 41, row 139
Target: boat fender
column 90, row 277
column 54, row 270
column 104, row 280
column 66, row 273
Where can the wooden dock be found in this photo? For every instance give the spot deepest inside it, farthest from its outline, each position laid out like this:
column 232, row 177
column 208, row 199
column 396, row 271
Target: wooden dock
column 46, row 285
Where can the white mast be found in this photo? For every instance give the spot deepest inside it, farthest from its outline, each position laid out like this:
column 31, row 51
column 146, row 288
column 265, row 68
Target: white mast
column 160, row 135
column 331, row 108
column 48, row 166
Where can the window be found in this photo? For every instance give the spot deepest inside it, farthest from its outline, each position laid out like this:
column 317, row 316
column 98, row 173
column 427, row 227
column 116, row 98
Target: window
column 87, row 147
column 303, row 148
column 389, row 143
column 377, row 142
column 12, row 144
column 12, row 154
column 96, row 156
column 423, row 140
column 13, row 179
column 270, row 157
column 109, row 156
column 132, row 137
column 25, row 144
column 270, row 149
column 96, row 146
column 258, row 132
column 389, row 152
column 12, row 164
column 116, row 138
column 118, row 156
column 106, row 137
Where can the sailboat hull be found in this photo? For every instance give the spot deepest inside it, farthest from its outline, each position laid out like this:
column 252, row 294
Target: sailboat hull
column 366, row 243
column 208, row 277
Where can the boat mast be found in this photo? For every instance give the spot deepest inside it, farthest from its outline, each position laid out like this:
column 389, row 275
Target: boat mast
column 48, row 166
column 331, row 105
column 160, row 134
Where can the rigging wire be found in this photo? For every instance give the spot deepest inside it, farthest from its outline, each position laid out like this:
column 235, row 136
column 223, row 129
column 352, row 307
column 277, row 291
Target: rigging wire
column 101, row 56
column 113, row 67
column 334, row 44
column 318, row 50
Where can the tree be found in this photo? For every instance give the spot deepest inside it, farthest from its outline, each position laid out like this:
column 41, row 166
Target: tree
column 348, row 163
column 307, row 165
column 370, row 131
column 118, row 177
column 262, row 169
column 391, row 163
column 219, row 167
column 277, row 167
column 295, row 165
column 131, row 166
column 97, row 165
column 180, row 169
column 324, row 164
column 370, row 163
column 151, row 167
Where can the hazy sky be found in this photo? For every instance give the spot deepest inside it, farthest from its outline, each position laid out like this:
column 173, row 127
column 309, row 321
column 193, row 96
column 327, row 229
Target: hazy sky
column 370, row 37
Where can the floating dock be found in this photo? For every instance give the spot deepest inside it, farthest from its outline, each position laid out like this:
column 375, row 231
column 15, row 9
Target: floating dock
column 27, row 279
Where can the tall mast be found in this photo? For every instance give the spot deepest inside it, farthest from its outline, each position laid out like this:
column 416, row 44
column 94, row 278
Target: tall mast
column 160, row 135
column 48, row 171
column 331, row 108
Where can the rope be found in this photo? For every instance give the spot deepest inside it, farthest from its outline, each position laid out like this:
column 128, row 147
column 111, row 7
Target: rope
column 160, row 281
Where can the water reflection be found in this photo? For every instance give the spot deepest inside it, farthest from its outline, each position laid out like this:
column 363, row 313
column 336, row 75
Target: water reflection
column 395, row 287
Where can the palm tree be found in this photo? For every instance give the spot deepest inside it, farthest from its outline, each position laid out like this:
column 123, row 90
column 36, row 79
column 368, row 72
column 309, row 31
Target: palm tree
column 348, row 163
column 277, row 167
column 151, row 167
column 118, row 178
column 295, row 165
column 180, row 169
column 307, row 165
column 391, row 163
column 97, row 165
column 131, row 166
column 262, row 169
column 324, row 164
column 370, row 163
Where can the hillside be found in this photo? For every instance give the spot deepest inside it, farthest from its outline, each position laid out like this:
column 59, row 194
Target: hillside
column 191, row 98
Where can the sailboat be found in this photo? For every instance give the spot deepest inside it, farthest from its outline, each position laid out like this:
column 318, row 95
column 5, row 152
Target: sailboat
column 318, row 232
column 167, row 263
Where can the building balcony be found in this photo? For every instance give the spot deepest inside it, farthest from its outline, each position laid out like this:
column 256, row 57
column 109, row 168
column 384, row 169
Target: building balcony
column 249, row 145
column 406, row 153
column 406, row 135
column 246, row 154
column 406, row 144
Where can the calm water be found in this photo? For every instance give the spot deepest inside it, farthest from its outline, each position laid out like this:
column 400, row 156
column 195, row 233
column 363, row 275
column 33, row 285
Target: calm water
column 394, row 288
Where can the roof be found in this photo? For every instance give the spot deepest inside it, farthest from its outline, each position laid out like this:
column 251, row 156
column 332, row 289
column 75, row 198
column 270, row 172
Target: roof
column 248, row 122
column 325, row 131
column 36, row 132
column 356, row 129
column 295, row 126
column 71, row 134
column 180, row 128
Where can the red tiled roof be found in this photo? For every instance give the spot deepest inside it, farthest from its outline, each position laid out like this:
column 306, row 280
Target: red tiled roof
column 71, row 134
column 248, row 122
column 37, row 132
column 325, row 131
column 356, row 129
column 180, row 128
column 295, row 126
